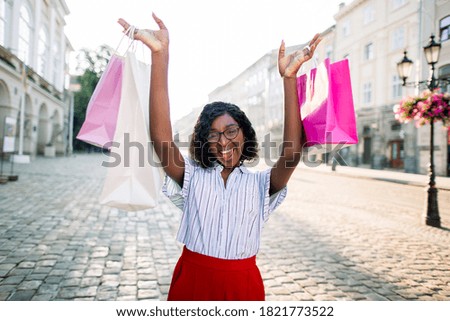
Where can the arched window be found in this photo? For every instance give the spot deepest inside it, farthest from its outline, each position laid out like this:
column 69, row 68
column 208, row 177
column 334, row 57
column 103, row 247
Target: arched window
column 43, row 52
column 25, row 31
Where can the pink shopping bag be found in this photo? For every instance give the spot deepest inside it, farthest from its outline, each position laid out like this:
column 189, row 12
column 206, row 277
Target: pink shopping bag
column 326, row 107
column 101, row 115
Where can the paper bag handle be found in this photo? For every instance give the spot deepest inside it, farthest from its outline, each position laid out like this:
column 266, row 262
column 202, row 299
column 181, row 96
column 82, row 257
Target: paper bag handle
column 131, row 31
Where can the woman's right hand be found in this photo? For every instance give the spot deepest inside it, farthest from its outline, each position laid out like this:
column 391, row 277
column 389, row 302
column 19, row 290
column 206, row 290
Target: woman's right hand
column 156, row 40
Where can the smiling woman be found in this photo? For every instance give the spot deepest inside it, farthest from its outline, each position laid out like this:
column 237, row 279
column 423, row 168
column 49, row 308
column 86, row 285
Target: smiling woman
column 224, row 205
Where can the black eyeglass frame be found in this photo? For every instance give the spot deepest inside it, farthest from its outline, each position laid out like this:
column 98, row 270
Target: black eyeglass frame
column 224, row 133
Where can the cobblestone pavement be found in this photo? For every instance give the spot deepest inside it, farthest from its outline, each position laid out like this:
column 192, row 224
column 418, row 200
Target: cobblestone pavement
column 334, row 238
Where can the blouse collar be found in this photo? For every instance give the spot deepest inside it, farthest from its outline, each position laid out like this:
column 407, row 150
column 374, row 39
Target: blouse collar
column 219, row 167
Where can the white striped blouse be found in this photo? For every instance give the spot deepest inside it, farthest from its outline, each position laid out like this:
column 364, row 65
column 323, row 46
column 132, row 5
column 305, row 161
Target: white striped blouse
column 218, row 220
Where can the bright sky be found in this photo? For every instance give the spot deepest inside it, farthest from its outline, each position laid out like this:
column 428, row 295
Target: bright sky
column 211, row 41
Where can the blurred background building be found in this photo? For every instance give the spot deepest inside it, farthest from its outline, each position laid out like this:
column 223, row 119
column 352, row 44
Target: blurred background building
column 372, row 35
column 33, row 68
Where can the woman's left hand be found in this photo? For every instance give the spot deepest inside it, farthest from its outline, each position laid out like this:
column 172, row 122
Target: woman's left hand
column 288, row 66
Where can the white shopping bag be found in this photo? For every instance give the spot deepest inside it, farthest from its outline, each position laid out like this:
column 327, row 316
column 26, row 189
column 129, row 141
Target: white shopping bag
column 134, row 176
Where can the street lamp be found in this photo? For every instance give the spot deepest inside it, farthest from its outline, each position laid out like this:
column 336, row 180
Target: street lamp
column 404, row 67
column 432, row 51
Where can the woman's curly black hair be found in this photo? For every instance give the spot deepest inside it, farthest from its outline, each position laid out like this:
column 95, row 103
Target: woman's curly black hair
column 199, row 146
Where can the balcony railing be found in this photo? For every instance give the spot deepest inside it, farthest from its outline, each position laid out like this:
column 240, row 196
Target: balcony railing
column 16, row 64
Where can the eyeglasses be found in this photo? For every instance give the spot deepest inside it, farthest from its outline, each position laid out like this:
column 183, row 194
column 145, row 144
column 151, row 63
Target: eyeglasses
column 229, row 133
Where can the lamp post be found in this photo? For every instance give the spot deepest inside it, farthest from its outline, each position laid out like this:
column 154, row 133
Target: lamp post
column 404, row 67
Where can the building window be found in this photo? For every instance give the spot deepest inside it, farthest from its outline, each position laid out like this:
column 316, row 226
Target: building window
column 444, row 26
column 398, row 38
column 396, row 126
column 273, row 76
column 367, row 93
column 56, row 62
column 346, row 28
column 57, row 56
column 396, row 87
column 397, row 3
column 42, row 52
column 368, row 14
column 368, row 51
column 444, row 73
column 25, row 31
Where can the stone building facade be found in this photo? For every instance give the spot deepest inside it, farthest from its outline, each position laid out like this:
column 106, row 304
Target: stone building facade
column 33, row 68
column 373, row 35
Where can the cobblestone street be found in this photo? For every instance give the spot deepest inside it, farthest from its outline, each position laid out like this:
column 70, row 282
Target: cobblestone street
column 335, row 237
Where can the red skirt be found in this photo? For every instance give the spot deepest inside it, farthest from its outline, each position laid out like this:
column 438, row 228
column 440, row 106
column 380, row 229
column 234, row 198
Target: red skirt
column 199, row 277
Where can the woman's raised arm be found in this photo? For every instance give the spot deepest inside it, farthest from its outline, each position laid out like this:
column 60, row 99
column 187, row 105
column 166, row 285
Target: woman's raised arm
column 288, row 67
column 160, row 126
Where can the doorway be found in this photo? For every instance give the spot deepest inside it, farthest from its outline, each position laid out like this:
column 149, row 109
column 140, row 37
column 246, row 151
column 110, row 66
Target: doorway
column 367, row 154
column 397, row 154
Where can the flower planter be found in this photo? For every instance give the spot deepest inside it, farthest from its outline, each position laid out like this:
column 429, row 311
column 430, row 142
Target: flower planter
column 429, row 106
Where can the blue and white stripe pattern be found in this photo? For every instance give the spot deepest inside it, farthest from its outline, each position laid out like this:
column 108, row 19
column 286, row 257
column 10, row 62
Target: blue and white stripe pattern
column 218, row 220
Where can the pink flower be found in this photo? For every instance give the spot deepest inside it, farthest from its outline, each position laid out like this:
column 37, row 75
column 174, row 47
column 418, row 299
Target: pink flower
column 426, row 108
